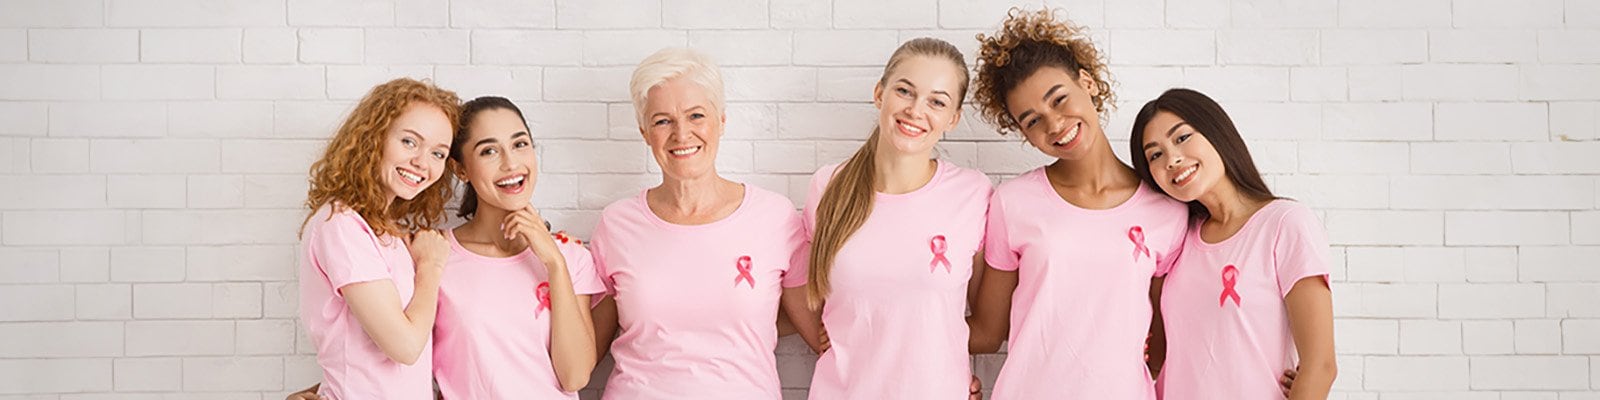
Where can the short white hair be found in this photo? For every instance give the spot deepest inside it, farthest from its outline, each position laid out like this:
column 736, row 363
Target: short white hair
column 671, row 63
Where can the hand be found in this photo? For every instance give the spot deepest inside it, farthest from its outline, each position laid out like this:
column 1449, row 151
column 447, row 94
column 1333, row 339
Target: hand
column 428, row 249
column 975, row 389
column 823, row 343
column 309, row 393
column 528, row 227
column 1286, row 382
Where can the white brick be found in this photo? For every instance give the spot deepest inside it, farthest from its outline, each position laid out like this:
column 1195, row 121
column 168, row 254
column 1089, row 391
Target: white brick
column 281, row 300
column 749, row 122
column 1505, row 228
column 220, row 227
column 348, row 82
column 770, row 84
column 1375, row 264
column 1585, row 14
column 785, row 157
column 1507, row 13
column 894, row 14
column 60, row 339
column 731, row 157
column 52, row 191
column 1541, row 336
column 147, row 264
column 1385, row 227
column 23, row 119
column 791, row 14
column 1162, row 47
column 1493, row 192
column 1198, row 14
column 1229, row 84
column 1572, row 300
column 1479, row 301
column 1133, row 14
column 219, row 119
column 1374, row 47
column 270, row 83
column 1444, row 158
column 1415, row 373
column 1387, row 14
column 598, row 191
column 1443, row 82
column 225, row 45
column 721, row 14
column 608, row 14
column 1559, row 82
column 1524, row 372
column 1318, row 84
column 502, row 47
column 735, row 48
column 270, row 156
column 197, row 13
column 146, row 191
column 1353, row 157
column 37, row 303
column 1482, row 46
column 216, row 191
column 236, row 300
column 265, row 336
column 1558, row 264
column 1430, row 337
column 1435, row 264
column 1580, row 336
column 49, row 82
column 149, row 374
column 70, row 375
column 565, row 121
column 241, row 263
column 270, row 46
column 423, row 13
column 275, row 191
column 469, row 82
column 83, row 45
column 53, row 13
column 1487, row 337
column 595, row 157
column 1555, row 158
column 1574, row 121
column 1586, row 227
column 587, row 84
column 984, row 15
column 1285, row 14
column 104, row 302
column 556, row 191
column 826, row 121
column 172, row 301
column 180, row 338
column 847, row 84
column 1366, row 336
column 1336, row 191
column 92, row 227
column 1377, row 121
column 331, row 46
column 153, row 156
column 341, row 13
column 81, row 264
column 232, row 373
column 157, row 82
column 121, row 119
column 502, row 14
column 1375, row 83
column 19, row 265
column 1267, row 47
column 844, row 48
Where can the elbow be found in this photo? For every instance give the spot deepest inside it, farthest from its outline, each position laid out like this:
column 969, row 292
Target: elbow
column 575, row 380
column 405, row 355
column 983, row 343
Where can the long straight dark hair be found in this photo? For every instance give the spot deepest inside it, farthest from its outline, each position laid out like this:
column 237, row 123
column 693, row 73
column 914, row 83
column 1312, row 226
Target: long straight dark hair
column 1205, row 116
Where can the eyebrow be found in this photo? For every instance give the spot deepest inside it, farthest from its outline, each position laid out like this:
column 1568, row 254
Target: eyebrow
column 1170, row 131
column 493, row 140
column 1024, row 115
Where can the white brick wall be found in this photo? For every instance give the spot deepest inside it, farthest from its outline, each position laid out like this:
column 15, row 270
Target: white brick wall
column 153, row 154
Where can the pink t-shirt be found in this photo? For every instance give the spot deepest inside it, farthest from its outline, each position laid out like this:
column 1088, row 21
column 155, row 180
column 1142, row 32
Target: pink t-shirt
column 896, row 313
column 698, row 304
column 338, row 249
column 492, row 336
column 1227, row 326
column 1081, row 310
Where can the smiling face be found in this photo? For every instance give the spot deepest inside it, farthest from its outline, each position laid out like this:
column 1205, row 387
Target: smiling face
column 499, row 160
column 683, row 127
column 917, row 103
column 1182, row 162
column 414, row 150
column 1055, row 111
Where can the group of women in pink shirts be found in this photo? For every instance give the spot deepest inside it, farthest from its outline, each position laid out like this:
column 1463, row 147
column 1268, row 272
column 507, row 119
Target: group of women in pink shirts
column 1179, row 277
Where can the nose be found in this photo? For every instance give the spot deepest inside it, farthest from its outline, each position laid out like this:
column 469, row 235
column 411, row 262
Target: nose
column 1173, row 160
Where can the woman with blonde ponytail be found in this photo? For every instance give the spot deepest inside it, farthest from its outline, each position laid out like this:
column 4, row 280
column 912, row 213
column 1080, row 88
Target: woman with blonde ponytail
column 894, row 232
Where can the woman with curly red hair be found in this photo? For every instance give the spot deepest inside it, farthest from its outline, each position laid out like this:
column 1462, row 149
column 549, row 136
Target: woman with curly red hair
column 370, row 262
column 1076, row 248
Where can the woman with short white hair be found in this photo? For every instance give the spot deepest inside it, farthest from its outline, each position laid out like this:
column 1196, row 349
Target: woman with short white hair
column 695, row 266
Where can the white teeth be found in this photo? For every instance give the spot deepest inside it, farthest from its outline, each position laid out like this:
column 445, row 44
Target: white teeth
column 1185, row 174
column 510, row 181
column 685, row 152
column 413, row 177
column 913, row 129
column 1072, row 134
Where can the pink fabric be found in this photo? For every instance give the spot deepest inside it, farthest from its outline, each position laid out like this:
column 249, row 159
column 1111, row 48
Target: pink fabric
column 692, row 325
column 1228, row 333
column 492, row 337
column 339, row 249
column 895, row 316
column 1081, row 310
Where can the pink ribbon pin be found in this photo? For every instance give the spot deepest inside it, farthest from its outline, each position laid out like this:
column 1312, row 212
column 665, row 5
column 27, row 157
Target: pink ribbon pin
column 543, row 291
column 938, row 246
column 744, row 272
column 1230, row 277
column 1136, row 234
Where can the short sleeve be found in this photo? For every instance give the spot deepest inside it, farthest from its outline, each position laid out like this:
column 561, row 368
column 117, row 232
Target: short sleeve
column 799, row 244
column 346, row 251
column 597, row 256
column 1300, row 249
column 997, row 248
column 581, row 269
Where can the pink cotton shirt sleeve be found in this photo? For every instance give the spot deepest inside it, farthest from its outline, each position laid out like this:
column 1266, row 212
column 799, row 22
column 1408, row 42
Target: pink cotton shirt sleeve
column 1301, row 250
column 799, row 262
column 997, row 249
column 348, row 252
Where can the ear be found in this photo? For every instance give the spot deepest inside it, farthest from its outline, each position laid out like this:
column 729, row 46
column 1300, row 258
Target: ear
column 955, row 120
column 877, row 96
column 1086, row 82
column 457, row 168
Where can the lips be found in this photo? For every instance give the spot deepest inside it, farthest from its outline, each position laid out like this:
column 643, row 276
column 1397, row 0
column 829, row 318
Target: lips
column 512, row 184
column 1070, row 137
column 1186, row 175
column 410, row 178
column 684, row 151
column 908, row 129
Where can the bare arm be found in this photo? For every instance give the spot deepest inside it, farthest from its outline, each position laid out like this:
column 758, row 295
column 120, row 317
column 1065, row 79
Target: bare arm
column 402, row 334
column 572, row 342
column 1157, row 352
column 1310, row 305
column 605, row 325
column 990, row 321
column 806, row 321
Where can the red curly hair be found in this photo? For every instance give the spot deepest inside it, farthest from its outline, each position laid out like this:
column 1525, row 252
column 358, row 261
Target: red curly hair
column 348, row 173
column 1026, row 42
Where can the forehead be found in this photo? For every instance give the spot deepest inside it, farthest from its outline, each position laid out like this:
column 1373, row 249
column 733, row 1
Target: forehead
column 429, row 121
column 928, row 72
column 1033, row 87
column 1156, row 130
column 676, row 93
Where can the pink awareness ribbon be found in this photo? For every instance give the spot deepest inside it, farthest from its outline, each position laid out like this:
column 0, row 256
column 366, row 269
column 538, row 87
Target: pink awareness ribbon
column 744, row 272
column 1136, row 234
column 543, row 291
column 938, row 246
column 1230, row 277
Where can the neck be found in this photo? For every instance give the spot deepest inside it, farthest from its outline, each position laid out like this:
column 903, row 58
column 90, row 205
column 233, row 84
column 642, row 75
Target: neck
column 898, row 173
column 1098, row 170
column 485, row 227
column 1227, row 205
column 691, row 196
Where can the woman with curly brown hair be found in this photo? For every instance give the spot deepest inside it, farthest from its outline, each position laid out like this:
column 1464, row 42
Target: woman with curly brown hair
column 1077, row 247
column 370, row 263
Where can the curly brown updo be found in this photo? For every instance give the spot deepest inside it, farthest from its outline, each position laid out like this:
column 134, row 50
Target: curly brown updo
column 1027, row 41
